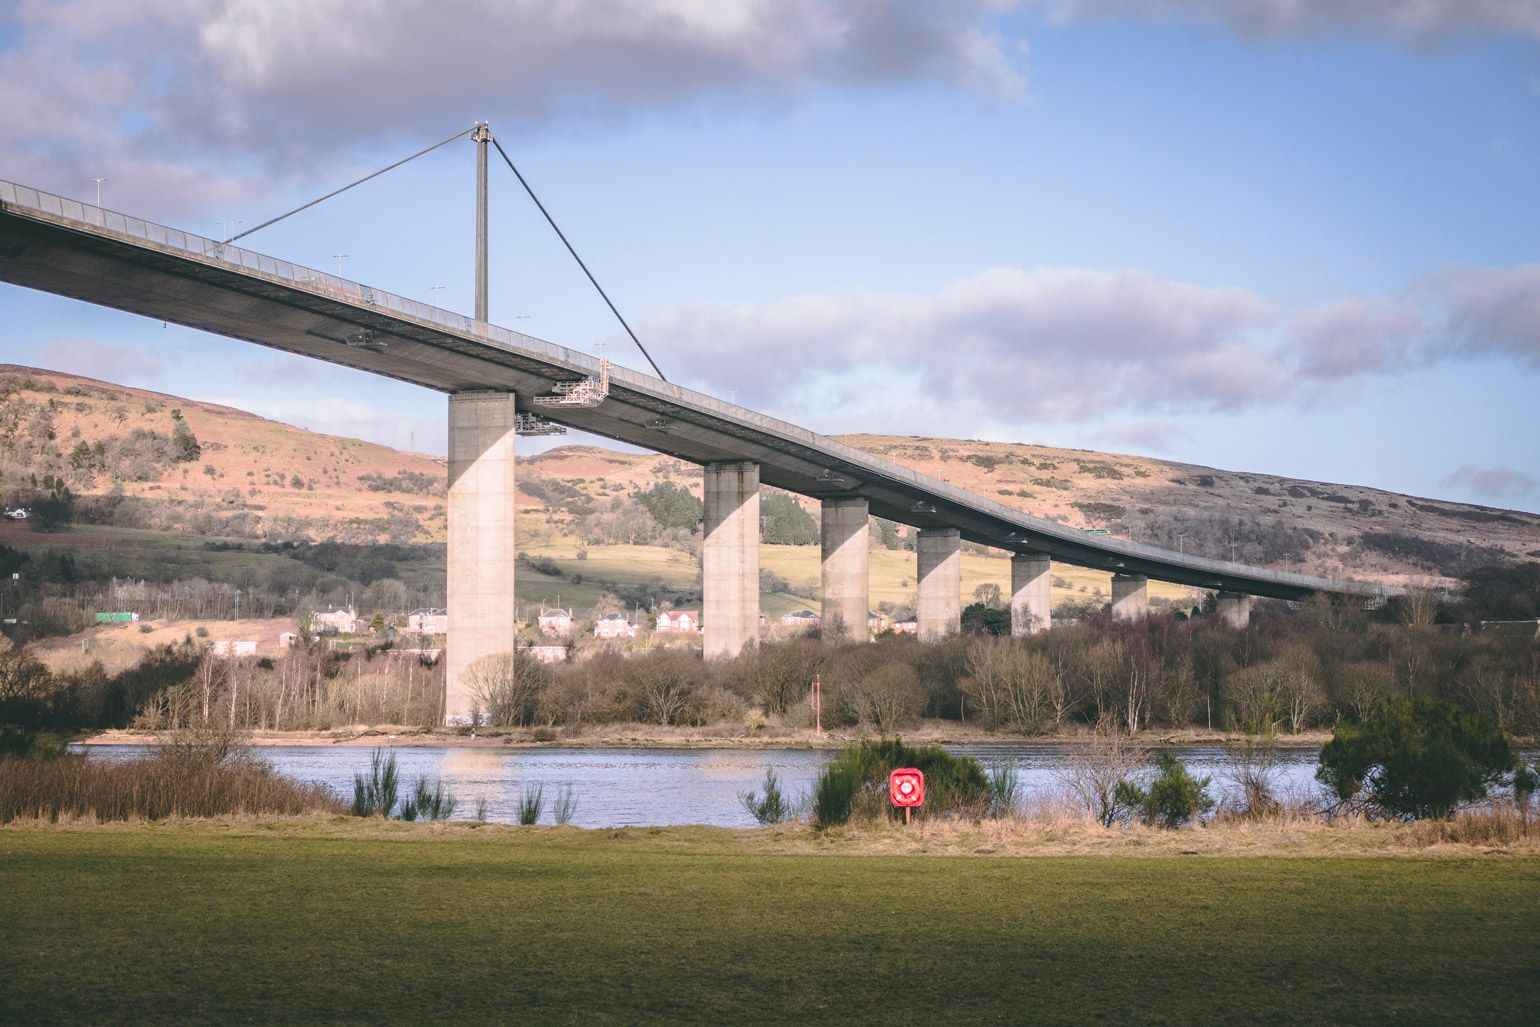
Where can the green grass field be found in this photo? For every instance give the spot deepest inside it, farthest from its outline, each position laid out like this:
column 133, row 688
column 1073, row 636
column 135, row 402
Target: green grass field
column 345, row 921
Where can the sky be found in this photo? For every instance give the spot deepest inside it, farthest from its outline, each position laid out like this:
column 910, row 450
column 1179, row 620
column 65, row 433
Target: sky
column 1287, row 236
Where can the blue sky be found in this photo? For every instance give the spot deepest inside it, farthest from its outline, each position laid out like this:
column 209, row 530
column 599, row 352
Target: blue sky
column 1288, row 236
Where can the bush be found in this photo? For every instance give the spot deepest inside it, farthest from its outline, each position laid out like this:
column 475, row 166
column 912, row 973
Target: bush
column 1173, row 798
column 857, row 782
column 773, row 807
column 1414, row 758
column 375, row 795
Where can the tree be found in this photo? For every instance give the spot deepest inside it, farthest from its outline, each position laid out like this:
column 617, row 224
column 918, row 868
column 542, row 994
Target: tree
column 1503, row 592
column 979, row 619
column 184, row 443
column 672, row 506
column 1415, row 758
column 783, row 522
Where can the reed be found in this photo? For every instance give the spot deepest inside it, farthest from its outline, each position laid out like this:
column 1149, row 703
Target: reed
column 168, row 783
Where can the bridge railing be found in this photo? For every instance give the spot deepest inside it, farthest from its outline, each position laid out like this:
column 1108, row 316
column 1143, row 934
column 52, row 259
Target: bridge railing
column 27, row 198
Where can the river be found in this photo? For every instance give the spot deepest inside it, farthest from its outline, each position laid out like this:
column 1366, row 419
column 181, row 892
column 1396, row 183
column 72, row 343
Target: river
column 616, row 787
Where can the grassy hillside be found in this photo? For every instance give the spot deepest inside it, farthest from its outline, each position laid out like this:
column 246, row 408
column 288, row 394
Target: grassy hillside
column 173, row 489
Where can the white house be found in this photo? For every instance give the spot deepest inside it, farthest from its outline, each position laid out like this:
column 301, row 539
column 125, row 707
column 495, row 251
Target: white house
column 614, row 625
column 428, row 622
column 555, row 623
column 906, row 627
column 334, row 620
column 679, row 621
column 800, row 620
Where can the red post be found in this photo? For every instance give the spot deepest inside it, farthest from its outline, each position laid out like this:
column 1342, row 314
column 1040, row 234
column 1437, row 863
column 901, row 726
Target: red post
column 817, row 702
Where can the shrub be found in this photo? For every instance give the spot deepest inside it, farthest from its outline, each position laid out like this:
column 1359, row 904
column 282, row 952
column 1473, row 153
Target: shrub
column 1414, row 758
column 773, row 807
column 375, row 795
column 857, row 781
column 1096, row 775
column 1173, row 798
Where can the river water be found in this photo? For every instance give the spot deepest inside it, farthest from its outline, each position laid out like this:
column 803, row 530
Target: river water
column 616, row 787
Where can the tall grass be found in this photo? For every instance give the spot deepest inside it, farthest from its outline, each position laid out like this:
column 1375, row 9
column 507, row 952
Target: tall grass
column 429, row 800
column 1004, row 787
column 566, row 806
column 167, row 783
column 531, row 804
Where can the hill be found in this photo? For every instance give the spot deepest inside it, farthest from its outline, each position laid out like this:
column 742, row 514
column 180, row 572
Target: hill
column 167, row 488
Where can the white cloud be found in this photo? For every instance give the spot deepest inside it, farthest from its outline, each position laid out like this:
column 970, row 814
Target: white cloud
column 1008, row 346
column 103, row 361
column 278, row 84
column 1500, row 482
column 1413, row 21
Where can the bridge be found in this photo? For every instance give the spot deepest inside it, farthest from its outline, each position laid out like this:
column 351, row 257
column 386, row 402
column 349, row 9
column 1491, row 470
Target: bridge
column 502, row 383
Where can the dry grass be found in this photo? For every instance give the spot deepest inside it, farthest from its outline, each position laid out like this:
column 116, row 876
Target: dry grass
column 174, row 782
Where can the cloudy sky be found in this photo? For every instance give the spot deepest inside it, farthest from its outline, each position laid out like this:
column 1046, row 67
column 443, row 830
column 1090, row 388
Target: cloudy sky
column 1290, row 236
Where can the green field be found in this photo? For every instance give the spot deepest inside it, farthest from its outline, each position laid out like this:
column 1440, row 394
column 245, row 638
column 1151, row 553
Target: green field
column 345, row 921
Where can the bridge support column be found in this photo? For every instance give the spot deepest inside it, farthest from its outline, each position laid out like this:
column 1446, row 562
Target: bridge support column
column 1235, row 609
column 1130, row 596
column 846, row 581
column 1031, row 606
column 939, row 558
column 730, row 559
column 483, row 619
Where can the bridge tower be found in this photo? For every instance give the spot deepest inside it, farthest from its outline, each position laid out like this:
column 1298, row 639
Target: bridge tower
column 846, row 570
column 1031, row 603
column 938, row 555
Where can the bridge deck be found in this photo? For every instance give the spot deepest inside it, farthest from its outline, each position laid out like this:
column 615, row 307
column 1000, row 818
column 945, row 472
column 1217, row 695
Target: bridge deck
column 72, row 249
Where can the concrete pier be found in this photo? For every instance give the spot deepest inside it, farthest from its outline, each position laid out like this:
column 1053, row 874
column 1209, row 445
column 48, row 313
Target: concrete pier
column 1130, row 596
column 1031, row 606
column 730, row 559
column 483, row 620
column 846, row 582
column 940, row 578
column 1235, row 609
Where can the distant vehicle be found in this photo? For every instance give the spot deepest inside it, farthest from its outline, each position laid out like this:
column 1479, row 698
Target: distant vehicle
column 18, row 514
column 1096, row 531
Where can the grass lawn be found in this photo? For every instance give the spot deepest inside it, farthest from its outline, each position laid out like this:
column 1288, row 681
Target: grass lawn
column 349, row 921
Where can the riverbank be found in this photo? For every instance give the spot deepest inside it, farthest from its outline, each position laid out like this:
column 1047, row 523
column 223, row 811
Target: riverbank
column 714, row 736
column 335, row 919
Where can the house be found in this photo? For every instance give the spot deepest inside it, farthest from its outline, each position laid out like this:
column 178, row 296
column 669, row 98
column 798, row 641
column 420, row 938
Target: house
column 614, row 625
column 876, row 622
column 428, row 622
column 800, row 620
column 334, row 621
column 679, row 621
column 556, row 622
column 287, row 640
column 906, row 627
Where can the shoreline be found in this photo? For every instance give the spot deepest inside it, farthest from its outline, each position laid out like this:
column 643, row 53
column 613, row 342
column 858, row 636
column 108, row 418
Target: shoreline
column 642, row 736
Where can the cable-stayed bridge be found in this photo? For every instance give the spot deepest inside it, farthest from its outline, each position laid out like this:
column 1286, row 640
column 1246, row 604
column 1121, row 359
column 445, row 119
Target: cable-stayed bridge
column 501, row 383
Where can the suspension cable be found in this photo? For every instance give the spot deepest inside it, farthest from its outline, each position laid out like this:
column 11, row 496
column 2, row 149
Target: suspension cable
column 552, row 222
column 345, row 188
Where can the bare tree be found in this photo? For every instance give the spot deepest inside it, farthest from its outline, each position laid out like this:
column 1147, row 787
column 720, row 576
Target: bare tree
column 1095, row 776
